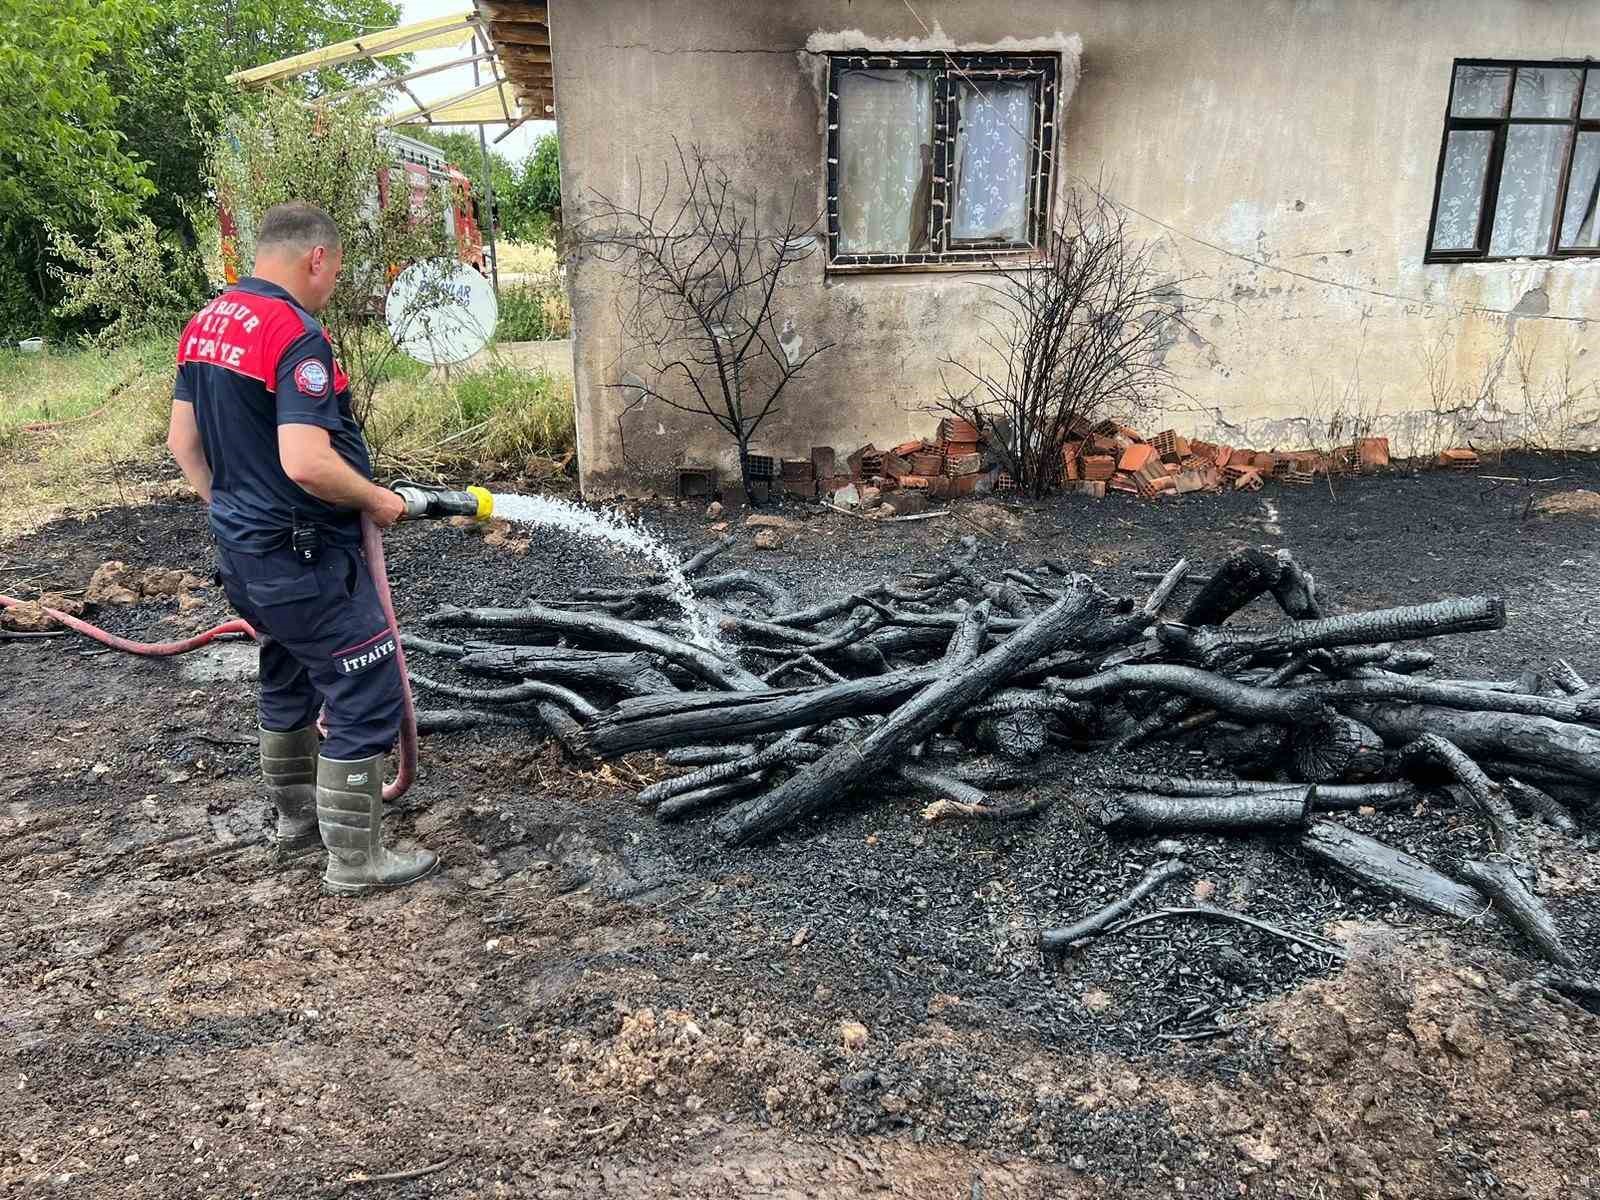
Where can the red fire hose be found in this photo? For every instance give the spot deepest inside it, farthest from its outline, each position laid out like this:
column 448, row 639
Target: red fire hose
column 146, row 649
column 372, row 543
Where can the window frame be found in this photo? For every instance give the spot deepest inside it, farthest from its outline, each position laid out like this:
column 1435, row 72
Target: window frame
column 948, row 69
column 1499, row 128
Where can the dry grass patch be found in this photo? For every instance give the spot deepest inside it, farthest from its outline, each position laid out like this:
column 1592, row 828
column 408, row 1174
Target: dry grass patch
column 80, row 431
column 500, row 419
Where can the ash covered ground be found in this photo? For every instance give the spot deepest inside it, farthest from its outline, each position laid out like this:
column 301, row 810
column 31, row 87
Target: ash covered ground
column 589, row 1003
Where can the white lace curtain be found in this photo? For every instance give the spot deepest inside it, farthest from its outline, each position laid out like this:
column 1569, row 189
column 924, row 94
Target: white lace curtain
column 1580, row 224
column 885, row 161
column 1529, row 185
column 991, row 198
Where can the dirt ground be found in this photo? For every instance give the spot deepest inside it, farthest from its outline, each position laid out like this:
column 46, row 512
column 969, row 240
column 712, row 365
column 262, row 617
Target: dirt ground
column 586, row 1003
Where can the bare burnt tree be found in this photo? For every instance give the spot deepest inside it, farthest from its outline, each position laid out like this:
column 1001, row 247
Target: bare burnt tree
column 703, row 279
column 1078, row 332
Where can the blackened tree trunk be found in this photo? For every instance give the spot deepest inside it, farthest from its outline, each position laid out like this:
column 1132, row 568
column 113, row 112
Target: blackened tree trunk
column 1054, row 941
column 1244, row 576
column 689, row 718
column 1525, row 911
column 713, row 668
column 1381, row 866
column 1329, row 796
column 1214, row 647
column 1540, row 804
column 634, row 674
column 828, row 780
column 1296, row 589
column 1336, row 749
column 1485, row 792
column 1144, row 813
column 1547, row 744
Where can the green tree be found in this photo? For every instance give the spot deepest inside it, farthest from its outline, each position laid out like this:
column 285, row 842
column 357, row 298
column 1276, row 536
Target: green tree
column 531, row 210
column 528, row 196
column 174, row 89
column 62, row 157
column 109, row 105
column 541, row 178
column 331, row 155
column 130, row 282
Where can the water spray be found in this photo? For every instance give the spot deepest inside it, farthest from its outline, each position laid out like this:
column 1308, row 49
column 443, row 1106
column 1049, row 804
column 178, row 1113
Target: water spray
column 431, row 503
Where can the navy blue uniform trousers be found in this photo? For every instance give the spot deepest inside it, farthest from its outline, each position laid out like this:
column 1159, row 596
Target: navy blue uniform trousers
column 324, row 641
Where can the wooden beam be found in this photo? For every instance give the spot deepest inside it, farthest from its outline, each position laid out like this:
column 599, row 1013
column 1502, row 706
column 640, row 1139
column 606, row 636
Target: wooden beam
column 515, row 40
column 402, row 80
column 533, row 78
column 498, row 10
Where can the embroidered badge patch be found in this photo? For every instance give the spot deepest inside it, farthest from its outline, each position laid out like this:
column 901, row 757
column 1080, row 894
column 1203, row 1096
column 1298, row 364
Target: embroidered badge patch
column 368, row 654
column 311, row 377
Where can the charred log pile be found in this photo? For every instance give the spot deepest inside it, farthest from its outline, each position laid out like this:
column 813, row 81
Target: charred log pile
column 958, row 688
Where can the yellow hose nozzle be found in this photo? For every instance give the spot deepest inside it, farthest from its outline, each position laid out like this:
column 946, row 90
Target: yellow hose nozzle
column 438, row 503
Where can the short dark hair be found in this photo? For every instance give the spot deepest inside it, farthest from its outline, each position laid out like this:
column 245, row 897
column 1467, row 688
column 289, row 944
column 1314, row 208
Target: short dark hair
column 297, row 226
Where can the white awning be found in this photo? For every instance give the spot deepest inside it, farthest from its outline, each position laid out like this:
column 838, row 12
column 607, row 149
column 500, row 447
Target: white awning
column 434, row 34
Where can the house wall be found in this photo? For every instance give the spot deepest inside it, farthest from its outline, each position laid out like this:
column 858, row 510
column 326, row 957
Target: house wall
column 1269, row 145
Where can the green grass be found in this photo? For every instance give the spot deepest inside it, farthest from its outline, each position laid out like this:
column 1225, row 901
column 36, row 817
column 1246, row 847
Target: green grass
column 101, row 420
column 96, row 416
column 533, row 297
column 61, row 385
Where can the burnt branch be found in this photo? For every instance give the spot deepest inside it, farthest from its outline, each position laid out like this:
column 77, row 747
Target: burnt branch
column 1077, row 332
column 1057, row 940
column 703, row 269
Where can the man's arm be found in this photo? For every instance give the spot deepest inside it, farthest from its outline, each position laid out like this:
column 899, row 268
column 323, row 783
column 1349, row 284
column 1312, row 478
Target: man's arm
column 309, row 459
column 183, row 440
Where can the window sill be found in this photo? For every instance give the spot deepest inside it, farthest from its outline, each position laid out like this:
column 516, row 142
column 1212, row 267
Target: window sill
column 1579, row 256
column 893, row 265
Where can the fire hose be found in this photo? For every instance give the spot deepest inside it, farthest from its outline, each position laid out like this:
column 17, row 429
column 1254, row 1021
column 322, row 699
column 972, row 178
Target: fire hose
column 421, row 502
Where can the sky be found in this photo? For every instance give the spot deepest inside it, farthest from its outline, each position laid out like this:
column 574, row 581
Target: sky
column 450, row 83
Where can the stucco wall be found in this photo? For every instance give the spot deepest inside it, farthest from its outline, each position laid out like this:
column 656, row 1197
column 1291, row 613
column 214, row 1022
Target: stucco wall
column 1301, row 135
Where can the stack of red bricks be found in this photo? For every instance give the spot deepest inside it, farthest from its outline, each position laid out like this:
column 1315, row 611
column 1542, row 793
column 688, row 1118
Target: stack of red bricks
column 1116, row 458
column 1100, row 458
column 948, row 464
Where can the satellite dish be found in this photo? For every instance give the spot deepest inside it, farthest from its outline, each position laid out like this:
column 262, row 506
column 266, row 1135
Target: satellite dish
column 441, row 312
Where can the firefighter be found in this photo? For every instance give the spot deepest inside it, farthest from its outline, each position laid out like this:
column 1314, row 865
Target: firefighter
column 262, row 428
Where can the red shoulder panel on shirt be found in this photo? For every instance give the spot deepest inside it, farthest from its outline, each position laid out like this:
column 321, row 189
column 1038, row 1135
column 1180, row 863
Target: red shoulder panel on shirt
column 341, row 381
column 242, row 333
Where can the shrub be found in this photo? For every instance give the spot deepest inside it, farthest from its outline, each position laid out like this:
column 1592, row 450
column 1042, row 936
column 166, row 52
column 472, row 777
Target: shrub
column 533, row 307
column 528, row 412
column 502, row 416
column 1076, row 334
column 128, row 284
column 331, row 156
column 529, row 313
column 536, row 422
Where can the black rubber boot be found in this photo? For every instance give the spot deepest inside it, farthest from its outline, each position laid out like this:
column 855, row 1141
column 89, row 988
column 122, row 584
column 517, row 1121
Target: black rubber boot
column 350, row 816
column 289, row 765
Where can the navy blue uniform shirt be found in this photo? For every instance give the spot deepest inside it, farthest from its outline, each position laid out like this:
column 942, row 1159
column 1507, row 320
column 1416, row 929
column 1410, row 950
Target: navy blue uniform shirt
column 250, row 361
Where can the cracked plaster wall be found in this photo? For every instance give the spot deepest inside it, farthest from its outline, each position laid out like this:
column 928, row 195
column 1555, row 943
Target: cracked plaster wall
column 1288, row 139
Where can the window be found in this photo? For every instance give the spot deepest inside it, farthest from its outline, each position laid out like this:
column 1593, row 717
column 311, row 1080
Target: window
column 1519, row 166
column 940, row 160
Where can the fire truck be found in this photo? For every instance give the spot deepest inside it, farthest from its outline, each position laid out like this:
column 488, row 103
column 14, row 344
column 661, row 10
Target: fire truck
column 417, row 167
